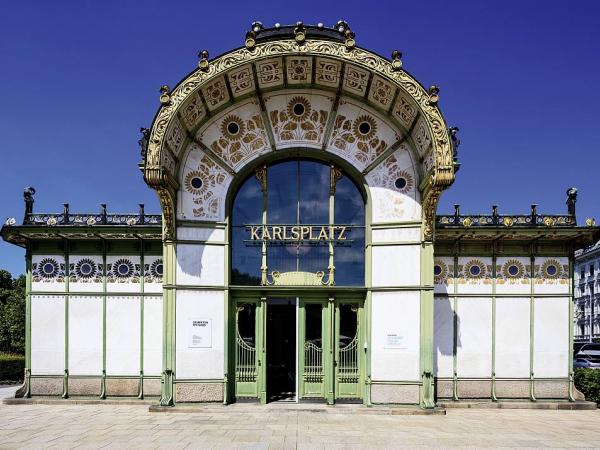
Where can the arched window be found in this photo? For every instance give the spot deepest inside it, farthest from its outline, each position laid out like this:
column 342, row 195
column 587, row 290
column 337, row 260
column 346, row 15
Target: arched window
column 310, row 217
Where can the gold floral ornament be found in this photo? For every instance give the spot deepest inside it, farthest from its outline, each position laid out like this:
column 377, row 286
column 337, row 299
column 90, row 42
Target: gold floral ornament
column 590, row 222
column 475, row 269
column 467, row 222
column 549, row 221
column 239, row 139
column 513, row 268
column 508, row 221
column 299, row 121
column 404, row 182
column 552, row 268
column 193, row 182
column 358, row 136
column 440, row 272
column 364, row 128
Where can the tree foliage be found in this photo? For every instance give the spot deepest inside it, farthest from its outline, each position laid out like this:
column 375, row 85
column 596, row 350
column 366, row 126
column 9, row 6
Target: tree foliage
column 12, row 313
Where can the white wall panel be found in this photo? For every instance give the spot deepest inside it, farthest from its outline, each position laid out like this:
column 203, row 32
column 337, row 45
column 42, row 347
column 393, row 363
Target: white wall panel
column 395, row 336
column 444, row 278
column 443, row 337
column 474, row 332
column 552, row 275
column 47, row 334
column 201, row 234
column 85, row 335
column 82, row 280
column 506, row 283
column 551, row 337
column 153, row 279
column 123, row 335
column 43, row 280
column 512, row 337
column 396, row 235
column 115, row 281
column 474, row 275
column 200, row 362
column 153, row 335
column 200, row 265
column 396, row 265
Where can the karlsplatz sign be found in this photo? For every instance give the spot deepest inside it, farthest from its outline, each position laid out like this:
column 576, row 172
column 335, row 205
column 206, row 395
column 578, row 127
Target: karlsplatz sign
column 298, row 234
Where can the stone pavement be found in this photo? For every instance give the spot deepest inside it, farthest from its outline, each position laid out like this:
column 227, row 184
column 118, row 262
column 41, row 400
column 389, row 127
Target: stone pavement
column 252, row 426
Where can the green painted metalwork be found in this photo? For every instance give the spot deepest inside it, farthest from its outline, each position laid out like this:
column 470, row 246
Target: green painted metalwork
column 67, row 274
column 169, row 274
column 27, row 379
column 426, row 336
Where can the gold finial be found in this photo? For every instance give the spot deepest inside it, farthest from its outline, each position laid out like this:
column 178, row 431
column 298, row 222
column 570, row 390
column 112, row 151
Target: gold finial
column 300, row 33
column 350, row 42
column 396, row 60
column 165, row 95
column 590, row 222
column 203, row 63
column 250, row 41
column 433, row 95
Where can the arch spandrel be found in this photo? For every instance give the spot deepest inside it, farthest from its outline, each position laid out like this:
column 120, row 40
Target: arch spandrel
column 330, row 71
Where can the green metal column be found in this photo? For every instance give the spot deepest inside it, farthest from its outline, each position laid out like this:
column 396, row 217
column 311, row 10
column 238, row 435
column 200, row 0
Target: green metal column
column 27, row 392
column 427, row 392
column 169, row 260
column 261, row 349
column 329, row 344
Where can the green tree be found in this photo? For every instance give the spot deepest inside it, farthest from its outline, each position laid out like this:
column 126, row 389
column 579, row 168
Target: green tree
column 12, row 313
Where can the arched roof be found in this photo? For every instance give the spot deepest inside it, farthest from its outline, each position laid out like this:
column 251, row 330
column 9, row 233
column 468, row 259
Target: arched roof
column 323, row 60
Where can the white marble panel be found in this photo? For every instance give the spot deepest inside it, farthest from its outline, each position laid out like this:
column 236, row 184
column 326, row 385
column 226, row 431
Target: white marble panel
column 47, row 273
column 443, row 337
column 85, row 335
column 123, row 335
column 474, row 275
column 552, row 275
column 201, row 234
column 396, row 265
column 200, row 362
column 443, row 275
column 551, row 337
column 395, row 336
column 412, row 234
column 513, row 275
column 123, row 273
column 202, row 265
column 47, row 334
column 85, row 273
column 153, row 335
column 153, row 273
column 474, row 337
column 512, row 337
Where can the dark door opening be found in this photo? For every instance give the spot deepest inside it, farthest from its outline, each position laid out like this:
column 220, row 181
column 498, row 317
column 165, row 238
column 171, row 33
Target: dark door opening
column 281, row 349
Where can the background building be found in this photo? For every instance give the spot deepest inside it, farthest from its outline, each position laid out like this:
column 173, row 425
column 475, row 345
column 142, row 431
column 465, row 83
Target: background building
column 587, row 295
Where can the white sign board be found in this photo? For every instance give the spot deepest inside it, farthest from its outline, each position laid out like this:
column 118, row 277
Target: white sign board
column 200, row 333
column 394, row 341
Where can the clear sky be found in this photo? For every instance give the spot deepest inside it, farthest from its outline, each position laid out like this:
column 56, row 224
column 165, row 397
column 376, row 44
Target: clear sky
column 79, row 78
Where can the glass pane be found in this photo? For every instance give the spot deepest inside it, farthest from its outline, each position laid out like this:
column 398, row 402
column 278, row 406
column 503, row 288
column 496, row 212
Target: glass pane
column 246, row 323
column 314, row 192
column 313, row 323
column 282, row 186
column 349, row 204
column 348, row 323
column 247, row 206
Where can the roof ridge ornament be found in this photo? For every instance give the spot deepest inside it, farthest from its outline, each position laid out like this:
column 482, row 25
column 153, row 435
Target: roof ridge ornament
column 203, row 63
column 165, row 95
column 434, row 97
column 300, row 33
column 396, row 60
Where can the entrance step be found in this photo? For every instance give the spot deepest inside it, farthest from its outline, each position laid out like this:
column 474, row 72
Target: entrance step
column 299, row 407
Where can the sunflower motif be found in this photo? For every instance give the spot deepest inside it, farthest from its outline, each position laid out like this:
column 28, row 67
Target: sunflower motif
column 48, row 268
column 513, row 269
column 364, row 128
column 404, row 182
column 298, row 109
column 85, row 268
column 233, row 128
column 156, row 269
column 475, row 269
column 551, row 269
column 193, row 182
column 440, row 271
column 122, row 268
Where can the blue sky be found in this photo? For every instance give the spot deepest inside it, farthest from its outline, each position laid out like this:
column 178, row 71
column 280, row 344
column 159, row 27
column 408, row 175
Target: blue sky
column 79, row 78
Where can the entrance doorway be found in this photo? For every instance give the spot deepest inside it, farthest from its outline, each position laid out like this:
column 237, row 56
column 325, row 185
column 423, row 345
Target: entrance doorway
column 281, row 349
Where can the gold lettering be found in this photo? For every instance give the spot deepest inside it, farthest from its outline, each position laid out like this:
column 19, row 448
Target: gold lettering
column 266, row 234
column 341, row 236
column 254, row 233
column 323, row 234
column 285, row 235
column 310, row 236
column 295, row 233
column 277, row 233
column 304, row 231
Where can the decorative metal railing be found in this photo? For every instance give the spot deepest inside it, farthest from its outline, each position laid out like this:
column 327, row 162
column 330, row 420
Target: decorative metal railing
column 245, row 361
column 313, row 363
column 92, row 219
column 348, row 362
column 503, row 220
